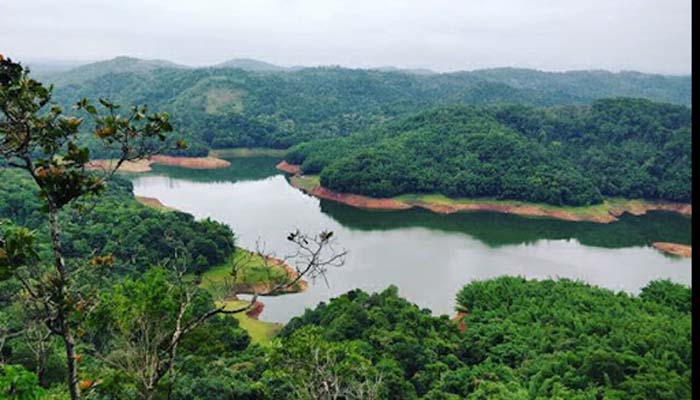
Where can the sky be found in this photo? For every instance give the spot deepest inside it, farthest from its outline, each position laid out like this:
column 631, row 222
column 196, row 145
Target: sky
column 442, row 35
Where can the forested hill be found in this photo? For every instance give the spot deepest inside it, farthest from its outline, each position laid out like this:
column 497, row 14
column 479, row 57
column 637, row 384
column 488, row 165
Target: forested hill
column 230, row 107
column 572, row 155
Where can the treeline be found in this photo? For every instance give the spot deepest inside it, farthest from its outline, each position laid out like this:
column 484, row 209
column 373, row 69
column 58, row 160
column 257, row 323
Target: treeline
column 116, row 224
column 521, row 340
column 573, row 155
column 515, row 339
column 227, row 107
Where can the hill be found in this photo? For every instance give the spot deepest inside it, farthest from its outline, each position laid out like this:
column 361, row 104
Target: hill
column 575, row 155
column 234, row 107
column 118, row 65
column 249, row 64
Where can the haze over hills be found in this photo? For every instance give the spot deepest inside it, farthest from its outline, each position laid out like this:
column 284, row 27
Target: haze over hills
column 518, row 77
column 249, row 64
column 260, row 104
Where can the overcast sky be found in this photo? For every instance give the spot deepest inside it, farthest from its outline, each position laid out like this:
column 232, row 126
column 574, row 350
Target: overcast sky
column 444, row 35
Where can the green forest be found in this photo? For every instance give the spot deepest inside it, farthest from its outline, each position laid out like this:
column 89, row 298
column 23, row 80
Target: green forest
column 220, row 107
column 518, row 340
column 115, row 223
column 568, row 155
column 97, row 296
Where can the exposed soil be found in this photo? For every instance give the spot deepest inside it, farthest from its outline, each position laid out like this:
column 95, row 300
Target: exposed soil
column 461, row 323
column 635, row 208
column 288, row 168
column 356, row 200
column 153, row 203
column 145, row 165
column 127, row 166
column 680, row 250
column 524, row 210
column 255, row 311
column 191, row 162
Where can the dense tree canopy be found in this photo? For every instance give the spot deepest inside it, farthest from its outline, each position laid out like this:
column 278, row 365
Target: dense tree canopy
column 521, row 339
column 622, row 147
column 115, row 223
column 230, row 107
column 141, row 327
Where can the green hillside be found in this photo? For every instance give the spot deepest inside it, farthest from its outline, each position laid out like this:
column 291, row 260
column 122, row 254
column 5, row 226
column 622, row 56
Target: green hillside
column 574, row 155
column 247, row 103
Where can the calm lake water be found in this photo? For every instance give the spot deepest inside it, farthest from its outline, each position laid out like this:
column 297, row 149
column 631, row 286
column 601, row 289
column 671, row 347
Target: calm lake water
column 427, row 256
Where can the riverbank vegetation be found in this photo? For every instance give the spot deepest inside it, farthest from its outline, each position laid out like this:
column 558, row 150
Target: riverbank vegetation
column 609, row 210
column 567, row 156
column 248, row 272
column 115, row 223
column 99, row 296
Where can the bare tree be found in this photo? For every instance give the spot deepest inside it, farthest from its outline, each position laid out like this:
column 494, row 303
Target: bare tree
column 147, row 351
column 331, row 373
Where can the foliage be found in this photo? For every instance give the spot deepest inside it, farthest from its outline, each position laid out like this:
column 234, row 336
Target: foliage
column 231, row 107
column 563, row 156
column 523, row 339
column 45, row 143
column 18, row 383
column 114, row 223
column 131, row 326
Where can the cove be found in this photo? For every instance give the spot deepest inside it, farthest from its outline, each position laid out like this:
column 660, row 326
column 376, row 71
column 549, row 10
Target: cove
column 428, row 256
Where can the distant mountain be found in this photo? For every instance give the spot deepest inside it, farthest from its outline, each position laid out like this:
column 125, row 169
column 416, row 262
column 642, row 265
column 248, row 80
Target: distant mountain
column 248, row 103
column 591, row 83
column 478, row 86
column 414, row 71
column 116, row 65
column 249, row 64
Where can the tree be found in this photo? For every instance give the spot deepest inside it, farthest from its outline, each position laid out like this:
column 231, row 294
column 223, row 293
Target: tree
column 46, row 144
column 140, row 326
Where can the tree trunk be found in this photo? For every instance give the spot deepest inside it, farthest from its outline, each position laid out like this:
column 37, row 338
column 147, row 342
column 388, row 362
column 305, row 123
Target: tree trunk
column 63, row 311
column 69, row 343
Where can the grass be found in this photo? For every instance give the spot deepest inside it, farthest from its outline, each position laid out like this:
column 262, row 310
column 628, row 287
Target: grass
column 594, row 210
column 260, row 332
column 253, row 270
column 222, row 100
column 243, row 152
column 306, row 182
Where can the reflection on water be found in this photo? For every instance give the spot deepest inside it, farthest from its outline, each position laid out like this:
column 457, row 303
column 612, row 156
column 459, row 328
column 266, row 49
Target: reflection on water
column 502, row 229
column 428, row 256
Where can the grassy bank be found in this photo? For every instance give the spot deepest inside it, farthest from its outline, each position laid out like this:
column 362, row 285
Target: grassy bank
column 607, row 211
column 260, row 332
column 254, row 274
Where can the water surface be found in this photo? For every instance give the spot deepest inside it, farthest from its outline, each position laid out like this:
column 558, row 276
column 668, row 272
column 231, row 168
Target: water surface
column 427, row 256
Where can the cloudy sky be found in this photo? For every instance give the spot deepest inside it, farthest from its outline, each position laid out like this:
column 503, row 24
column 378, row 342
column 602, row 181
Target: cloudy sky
column 444, row 35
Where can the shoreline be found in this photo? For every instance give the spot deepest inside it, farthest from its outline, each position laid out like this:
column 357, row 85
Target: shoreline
column 607, row 212
column 141, row 166
column 153, row 202
column 674, row 249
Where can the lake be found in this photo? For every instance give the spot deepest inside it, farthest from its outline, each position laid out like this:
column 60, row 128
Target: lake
column 428, row 256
